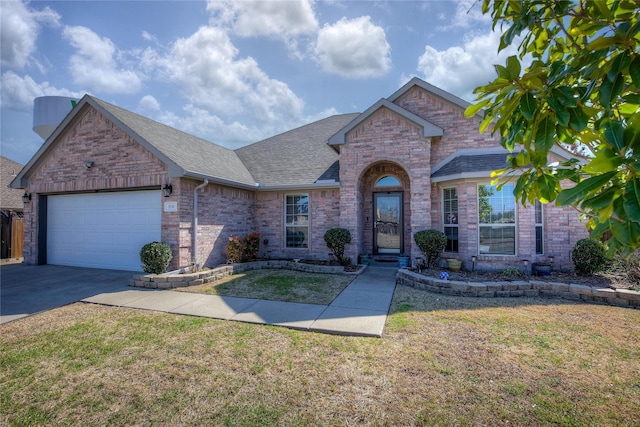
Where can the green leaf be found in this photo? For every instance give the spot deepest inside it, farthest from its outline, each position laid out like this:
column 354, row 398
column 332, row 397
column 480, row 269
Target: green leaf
column 614, row 134
column 513, row 67
column 547, row 188
column 473, row 109
column 602, row 201
column 562, row 115
column 632, row 133
column 577, row 193
column 602, row 42
column 528, row 105
column 626, row 232
column 605, row 160
column 634, row 71
column 578, row 120
column 632, row 200
column 544, row 134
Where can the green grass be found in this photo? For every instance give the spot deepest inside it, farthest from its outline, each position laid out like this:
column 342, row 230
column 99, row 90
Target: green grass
column 442, row 361
column 278, row 285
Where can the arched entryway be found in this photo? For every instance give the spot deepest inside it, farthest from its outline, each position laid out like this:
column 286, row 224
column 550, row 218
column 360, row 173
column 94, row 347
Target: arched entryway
column 385, row 192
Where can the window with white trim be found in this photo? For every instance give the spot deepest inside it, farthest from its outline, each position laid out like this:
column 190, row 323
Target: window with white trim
column 450, row 218
column 296, row 224
column 539, row 227
column 496, row 220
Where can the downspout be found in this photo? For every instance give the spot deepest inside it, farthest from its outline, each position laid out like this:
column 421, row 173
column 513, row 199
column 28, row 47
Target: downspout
column 194, row 252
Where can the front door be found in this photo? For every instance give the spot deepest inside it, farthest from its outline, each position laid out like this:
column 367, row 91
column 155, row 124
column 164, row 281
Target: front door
column 387, row 232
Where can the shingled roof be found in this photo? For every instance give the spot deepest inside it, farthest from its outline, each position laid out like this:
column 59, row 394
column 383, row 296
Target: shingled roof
column 10, row 199
column 193, row 155
column 297, row 157
column 466, row 164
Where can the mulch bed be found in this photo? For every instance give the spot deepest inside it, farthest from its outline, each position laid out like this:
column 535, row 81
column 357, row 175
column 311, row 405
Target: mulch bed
column 610, row 279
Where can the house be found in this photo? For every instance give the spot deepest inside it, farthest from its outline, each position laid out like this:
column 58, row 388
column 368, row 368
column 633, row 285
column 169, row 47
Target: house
column 107, row 181
column 11, row 210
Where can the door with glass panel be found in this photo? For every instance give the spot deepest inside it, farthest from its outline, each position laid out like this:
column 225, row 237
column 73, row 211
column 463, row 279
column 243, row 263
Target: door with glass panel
column 387, row 233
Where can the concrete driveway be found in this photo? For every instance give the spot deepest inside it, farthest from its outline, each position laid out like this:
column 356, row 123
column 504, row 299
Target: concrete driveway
column 29, row 289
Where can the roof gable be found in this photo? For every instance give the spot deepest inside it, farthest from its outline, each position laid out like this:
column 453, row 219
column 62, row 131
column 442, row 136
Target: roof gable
column 184, row 154
column 431, row 89
column 427, row 129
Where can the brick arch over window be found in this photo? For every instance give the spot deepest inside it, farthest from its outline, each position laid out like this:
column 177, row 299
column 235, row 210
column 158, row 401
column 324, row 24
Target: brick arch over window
column 367, row 187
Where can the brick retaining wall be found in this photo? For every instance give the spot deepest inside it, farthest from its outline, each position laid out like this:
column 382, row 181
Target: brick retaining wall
column 178, row 280
column 522, row 288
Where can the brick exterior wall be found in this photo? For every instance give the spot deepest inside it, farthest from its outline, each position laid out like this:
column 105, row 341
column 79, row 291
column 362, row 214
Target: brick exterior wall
column 382, row 144
column 119, row 163
column 387, row 138
column 222, row 212
column 324, row 213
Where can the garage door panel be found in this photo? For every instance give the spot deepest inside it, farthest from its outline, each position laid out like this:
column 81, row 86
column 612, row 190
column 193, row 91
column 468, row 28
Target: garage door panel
column 102, row 230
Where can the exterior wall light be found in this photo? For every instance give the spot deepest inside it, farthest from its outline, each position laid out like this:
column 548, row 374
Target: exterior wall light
column 26, row 197
column 89, row 164
column 167, row 190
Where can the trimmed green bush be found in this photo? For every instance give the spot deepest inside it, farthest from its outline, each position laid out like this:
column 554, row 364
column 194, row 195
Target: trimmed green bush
column 155, row 257
column 588, row 256
column 336, row 239
column 431, row 244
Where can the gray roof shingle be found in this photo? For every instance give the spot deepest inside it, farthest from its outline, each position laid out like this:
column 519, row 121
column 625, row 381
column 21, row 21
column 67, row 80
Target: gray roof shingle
column 297, row 157
column 475, row 163
column 9, row 198
column 188, row 152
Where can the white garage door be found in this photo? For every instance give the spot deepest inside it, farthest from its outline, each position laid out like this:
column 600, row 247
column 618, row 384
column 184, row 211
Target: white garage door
column 102, row 230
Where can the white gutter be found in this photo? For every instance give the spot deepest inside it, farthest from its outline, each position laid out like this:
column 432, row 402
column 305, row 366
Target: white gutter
column 194, row 252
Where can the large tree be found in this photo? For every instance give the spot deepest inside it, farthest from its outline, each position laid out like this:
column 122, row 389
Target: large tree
column 581, row 91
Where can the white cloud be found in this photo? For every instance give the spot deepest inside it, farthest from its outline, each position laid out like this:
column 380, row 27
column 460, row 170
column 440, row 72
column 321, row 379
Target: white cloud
column 19, row 29
column 353, row 48
column 202, row 123
column 468, row 13
column 94, row 65
column 149, row 103
column 18, row 92
column 460, row 70
column 206, row 68
column 280, row 19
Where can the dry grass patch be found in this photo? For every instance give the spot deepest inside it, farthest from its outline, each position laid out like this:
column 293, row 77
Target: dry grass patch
column 278, row 285
column 442, row 361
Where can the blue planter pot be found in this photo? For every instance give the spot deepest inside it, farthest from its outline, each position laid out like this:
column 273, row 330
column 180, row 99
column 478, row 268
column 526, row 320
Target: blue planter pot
column 403, row 261
column 543, row 269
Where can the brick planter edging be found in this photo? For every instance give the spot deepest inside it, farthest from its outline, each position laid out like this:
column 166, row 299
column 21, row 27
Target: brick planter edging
column 523, row 288
column 175, row 280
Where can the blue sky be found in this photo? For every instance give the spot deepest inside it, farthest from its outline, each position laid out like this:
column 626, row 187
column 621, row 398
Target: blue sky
column 234, row 72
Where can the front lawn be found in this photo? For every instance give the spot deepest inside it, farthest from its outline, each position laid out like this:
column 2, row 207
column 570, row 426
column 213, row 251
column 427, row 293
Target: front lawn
column 278, row 285
column 442, row 361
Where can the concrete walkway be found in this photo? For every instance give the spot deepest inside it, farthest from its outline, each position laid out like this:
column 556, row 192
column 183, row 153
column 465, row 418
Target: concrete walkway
column 361, row 309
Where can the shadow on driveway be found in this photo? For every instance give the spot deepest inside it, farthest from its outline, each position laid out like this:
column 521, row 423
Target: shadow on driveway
column 29, row 289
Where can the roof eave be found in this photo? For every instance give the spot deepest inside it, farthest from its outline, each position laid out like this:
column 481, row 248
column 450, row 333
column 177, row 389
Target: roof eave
column 295, row 187
column 217, row 180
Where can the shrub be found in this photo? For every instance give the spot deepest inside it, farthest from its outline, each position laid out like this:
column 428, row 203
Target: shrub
column 588, row 256
column 431, row 244
column 155, row 257
column 336, row 239
column 251, row 246
column 234, row 249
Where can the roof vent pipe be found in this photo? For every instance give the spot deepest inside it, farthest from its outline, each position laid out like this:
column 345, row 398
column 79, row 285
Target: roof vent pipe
column 194, row 252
